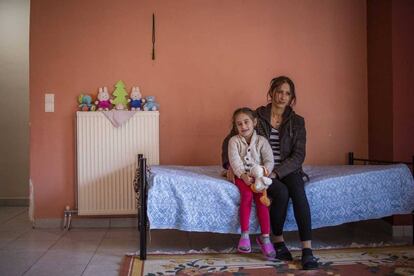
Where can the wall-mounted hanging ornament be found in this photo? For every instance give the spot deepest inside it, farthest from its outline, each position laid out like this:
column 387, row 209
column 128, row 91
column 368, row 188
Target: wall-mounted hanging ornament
column 153, row 36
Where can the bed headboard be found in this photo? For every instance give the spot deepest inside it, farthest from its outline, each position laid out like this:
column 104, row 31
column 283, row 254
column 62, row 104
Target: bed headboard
column 352, row 159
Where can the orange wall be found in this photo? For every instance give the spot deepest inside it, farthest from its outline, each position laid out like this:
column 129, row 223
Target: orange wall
column 403, row 79
column 380, row 75
column 211, row 57
column 390, row 79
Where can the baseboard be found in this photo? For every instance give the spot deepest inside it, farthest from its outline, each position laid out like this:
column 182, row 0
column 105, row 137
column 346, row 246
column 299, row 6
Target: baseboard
column 405, row 219
column 78, row 222
column 14, row 201
column 402, row 230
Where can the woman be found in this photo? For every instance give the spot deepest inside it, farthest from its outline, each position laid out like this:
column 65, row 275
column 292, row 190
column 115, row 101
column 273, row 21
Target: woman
column 286, row 133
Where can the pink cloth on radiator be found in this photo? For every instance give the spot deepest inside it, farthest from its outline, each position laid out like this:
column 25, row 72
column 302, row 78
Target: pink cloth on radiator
column 118, row 117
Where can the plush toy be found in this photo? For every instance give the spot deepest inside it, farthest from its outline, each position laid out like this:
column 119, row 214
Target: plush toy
column 103, row 102
column 261, row 183
column 120, row 96
column 136, row 100
column 85, row 103
column 151, row 104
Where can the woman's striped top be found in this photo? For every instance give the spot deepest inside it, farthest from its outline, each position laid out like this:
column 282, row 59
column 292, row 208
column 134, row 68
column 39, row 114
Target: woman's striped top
column 275, row 144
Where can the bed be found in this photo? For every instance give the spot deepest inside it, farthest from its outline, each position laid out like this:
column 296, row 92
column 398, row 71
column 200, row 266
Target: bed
column 199, row 199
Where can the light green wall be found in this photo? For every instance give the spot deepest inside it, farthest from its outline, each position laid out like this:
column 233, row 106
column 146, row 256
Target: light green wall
column 14, row 100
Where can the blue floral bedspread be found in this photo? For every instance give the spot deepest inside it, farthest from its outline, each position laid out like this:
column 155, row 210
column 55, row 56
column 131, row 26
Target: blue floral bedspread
column 199, row 199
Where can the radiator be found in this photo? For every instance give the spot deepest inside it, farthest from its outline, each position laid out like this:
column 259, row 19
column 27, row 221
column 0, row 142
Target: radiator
column 107, row 160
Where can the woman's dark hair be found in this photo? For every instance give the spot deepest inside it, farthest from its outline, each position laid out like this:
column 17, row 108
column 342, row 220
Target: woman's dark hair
column 276, row 83
column 244, row 110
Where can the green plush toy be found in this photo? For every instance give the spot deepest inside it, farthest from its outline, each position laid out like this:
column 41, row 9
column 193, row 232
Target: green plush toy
column 120, row 101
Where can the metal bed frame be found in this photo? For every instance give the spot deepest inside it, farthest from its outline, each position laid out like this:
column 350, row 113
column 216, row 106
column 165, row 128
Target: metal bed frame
column 141, row 189
column 352, row 159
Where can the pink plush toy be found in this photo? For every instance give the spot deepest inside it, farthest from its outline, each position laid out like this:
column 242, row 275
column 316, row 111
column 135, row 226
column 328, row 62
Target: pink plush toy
column 103, row 101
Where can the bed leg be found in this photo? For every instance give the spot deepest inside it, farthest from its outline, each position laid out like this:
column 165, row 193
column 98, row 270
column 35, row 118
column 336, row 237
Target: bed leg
column 350, row 158
column 143, row 213
column 140, row 156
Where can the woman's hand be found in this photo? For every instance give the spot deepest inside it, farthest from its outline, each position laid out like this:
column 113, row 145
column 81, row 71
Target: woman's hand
column 230, row 175
column 247, row 179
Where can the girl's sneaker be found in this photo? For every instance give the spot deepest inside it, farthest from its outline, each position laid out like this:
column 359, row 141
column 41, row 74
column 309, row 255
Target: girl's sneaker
column 244, row 245
column 267, row 248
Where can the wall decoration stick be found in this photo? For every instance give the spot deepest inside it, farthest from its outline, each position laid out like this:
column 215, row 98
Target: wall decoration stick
column 153, row 36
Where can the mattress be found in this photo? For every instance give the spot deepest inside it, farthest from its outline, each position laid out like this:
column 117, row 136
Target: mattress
column 198, row 198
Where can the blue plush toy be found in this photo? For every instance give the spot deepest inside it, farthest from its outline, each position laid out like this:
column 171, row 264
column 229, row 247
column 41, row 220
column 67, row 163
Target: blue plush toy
column 151, row 104
column 136, row 100
column 85, row 103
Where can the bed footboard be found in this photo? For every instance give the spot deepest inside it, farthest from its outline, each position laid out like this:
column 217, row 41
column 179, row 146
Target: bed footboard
column 352, row 159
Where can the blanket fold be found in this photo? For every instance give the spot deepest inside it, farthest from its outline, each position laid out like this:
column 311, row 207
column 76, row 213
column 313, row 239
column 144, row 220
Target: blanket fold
column 118, row 117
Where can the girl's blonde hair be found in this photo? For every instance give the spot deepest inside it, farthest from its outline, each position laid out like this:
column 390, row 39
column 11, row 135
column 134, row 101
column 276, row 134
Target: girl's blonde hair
column 243, row 110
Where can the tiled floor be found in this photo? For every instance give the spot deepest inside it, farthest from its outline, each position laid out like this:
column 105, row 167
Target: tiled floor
column 99, row 251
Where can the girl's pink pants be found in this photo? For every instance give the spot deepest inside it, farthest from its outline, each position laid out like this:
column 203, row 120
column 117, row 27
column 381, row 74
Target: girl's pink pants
column 246, row 197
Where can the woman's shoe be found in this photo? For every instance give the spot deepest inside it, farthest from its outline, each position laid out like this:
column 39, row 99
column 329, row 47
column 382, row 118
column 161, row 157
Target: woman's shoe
column 308, row 260
column 244, row 245
column 283, row 253
column 267, row 249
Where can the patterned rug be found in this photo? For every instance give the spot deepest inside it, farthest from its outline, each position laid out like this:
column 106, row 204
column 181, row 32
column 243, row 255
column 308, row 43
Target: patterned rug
column 349, row 261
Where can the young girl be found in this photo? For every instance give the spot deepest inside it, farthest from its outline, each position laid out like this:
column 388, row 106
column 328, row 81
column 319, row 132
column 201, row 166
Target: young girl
column 244, row 151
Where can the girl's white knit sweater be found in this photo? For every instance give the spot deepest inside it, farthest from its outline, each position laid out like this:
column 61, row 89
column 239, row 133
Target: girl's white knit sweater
column 243, row 156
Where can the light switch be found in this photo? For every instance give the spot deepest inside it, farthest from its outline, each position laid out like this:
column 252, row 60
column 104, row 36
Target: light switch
column 49, row 102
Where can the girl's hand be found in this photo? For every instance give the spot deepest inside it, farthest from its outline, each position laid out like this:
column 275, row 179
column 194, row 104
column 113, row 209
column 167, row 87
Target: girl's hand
column 266, row 172
column 230, row 175
column 247, row 179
